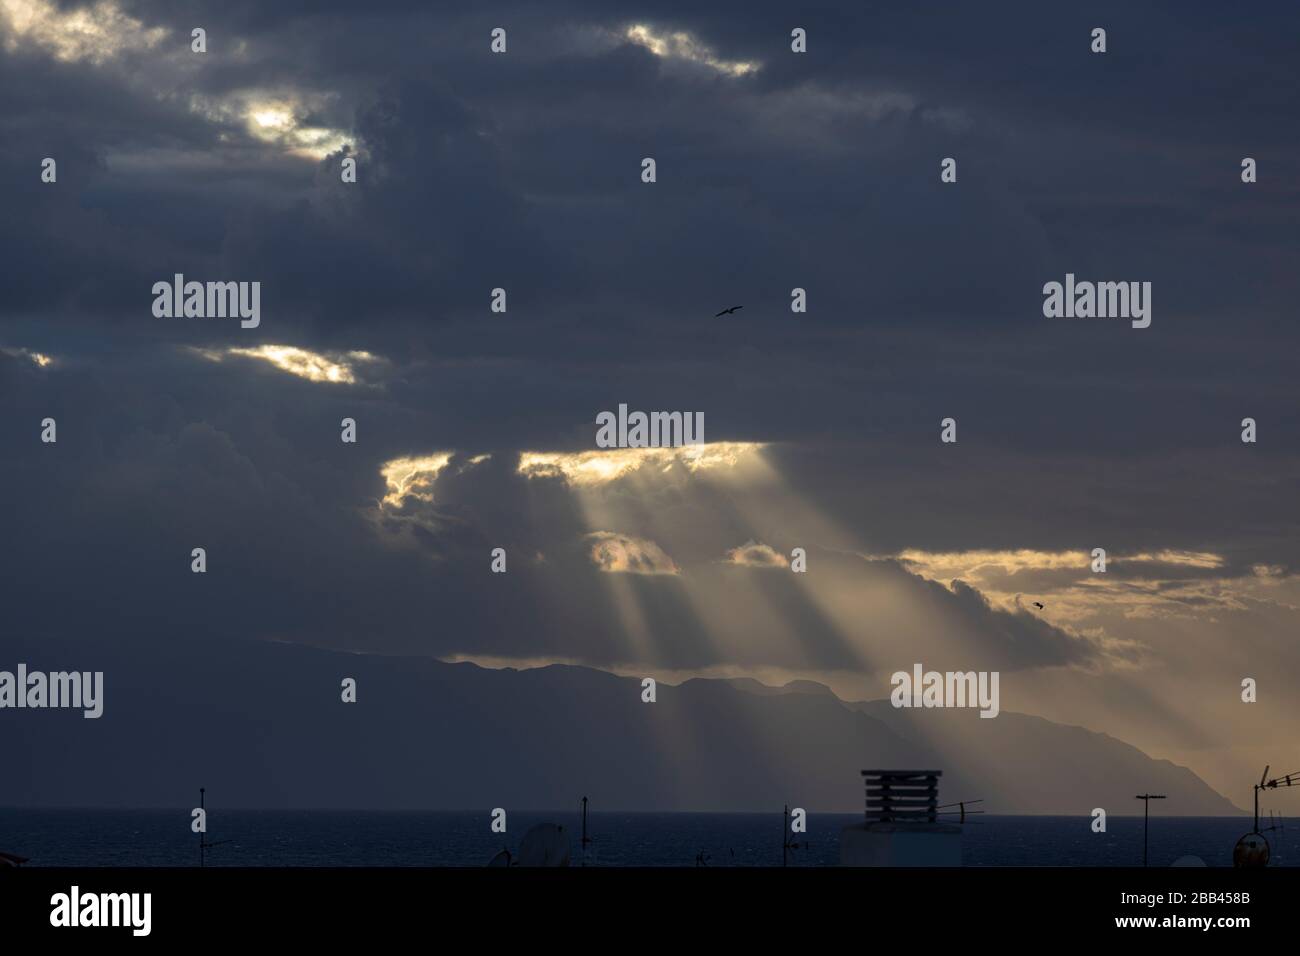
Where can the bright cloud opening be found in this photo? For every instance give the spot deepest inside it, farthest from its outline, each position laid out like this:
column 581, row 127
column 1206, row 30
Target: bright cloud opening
column 755, row 554
column 1167, row 583
column 413, row 477
column 335, row 367
column 279, row 119
column 680, row 45
column 940, row 565
column 623, row 554
column 600, row 467
column 37, row 358
column 94, row 33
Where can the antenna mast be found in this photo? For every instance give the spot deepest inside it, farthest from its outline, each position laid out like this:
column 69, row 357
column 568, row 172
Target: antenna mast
column 786, row 843
column 1290, row 780
column 785, row 837
column 1146, row 799
column 204, row 844
column 962, row 804
column 585, row 839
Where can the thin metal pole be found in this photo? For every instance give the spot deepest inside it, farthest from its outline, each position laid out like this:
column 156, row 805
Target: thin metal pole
column 585, row 841
column 1146, row 799
column 785, row 837
column 1146, row 824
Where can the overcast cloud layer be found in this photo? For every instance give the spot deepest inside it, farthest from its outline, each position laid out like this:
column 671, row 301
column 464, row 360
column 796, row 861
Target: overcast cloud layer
column 775, row 171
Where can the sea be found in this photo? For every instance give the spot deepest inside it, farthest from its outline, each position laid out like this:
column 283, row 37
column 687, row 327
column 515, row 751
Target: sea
column 311, row 838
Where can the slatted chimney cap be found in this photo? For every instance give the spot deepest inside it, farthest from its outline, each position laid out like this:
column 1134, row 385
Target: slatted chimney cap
column 902, row 773
column 902, row 796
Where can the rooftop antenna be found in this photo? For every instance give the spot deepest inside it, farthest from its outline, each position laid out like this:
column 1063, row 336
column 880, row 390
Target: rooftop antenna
column 585, row 839
column 786, row 843
column 203, row 837
column 1290, row 780
column 961, row 805
column 1278, row 824
column 785, row 835
column 1252, row 850
column 1146, row 799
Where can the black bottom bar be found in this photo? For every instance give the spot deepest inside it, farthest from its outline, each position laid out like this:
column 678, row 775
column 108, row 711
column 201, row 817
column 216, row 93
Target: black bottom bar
column 519, row 906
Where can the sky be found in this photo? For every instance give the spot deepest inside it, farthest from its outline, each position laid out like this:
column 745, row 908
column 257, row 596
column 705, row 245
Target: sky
column 775, row 170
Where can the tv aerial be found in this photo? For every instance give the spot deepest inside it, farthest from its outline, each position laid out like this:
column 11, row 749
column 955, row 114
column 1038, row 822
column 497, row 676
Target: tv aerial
column 1252, row 850
column 961, row 810
column 204, row 843
column 786, row 843
column 586, row 840
column 1146, row 799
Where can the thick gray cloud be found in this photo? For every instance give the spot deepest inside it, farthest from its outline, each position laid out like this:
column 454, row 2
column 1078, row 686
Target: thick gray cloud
column 522, row 171
column 818, row 171
column 300, row 548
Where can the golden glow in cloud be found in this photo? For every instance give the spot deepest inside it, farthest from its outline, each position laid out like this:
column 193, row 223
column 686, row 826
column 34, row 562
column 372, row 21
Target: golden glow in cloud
column 95, row 32
column 101, row 31
column 680, row 45
column 1168, row 584
column 278, row 119
column 278, row 123
column 412, row 477
column 624, row 554
column 754, row 554
column 1188, row 559
column 38, row 358
column 336, row 367
column 940, row 565
column 600, row 467
column 415, row 476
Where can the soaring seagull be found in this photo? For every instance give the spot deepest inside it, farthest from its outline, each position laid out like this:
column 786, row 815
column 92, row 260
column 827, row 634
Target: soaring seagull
column 730, row 310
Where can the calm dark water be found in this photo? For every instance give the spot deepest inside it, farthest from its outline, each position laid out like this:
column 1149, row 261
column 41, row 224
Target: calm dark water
column 416, row 838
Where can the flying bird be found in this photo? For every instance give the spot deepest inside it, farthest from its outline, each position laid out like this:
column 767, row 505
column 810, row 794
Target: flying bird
column 1037, row 605
column 730, row 310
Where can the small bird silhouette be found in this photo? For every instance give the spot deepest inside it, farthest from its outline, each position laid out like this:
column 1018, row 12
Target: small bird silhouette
column 730, row 310
column 1037, row 605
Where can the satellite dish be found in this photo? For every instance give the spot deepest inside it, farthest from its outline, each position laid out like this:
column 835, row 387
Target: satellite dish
column 1188, row 861
column 1250, row 851
column 545, row 844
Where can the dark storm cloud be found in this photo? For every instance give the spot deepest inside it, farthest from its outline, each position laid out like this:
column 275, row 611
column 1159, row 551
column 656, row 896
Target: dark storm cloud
column 523, row 172
column 819, row 170
column 299, row 549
